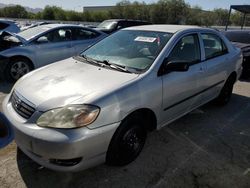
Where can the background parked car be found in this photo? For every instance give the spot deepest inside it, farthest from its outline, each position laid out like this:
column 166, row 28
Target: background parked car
column 20, row 53
column 8, row 25
column 241, row 39
column 110, row 26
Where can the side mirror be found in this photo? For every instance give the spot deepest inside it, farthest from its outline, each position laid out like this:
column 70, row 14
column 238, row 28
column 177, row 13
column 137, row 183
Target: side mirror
column 173, row 66
column 177, row 66
column 42, row 40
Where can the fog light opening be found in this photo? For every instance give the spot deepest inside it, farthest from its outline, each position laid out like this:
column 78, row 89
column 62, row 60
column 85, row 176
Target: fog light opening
column 66, row 162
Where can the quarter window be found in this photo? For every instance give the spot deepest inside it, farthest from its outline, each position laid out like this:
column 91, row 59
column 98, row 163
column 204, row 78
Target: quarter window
column 214, row 46
column 186, row 50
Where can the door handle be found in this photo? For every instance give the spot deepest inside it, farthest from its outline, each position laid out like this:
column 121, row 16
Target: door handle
column 200, row 69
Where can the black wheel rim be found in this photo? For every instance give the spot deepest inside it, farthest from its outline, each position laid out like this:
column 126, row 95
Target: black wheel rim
column 18, row 69
column 132, row 143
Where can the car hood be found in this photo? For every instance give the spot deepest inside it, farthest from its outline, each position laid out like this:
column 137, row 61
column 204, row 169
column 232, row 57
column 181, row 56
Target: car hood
column 64, row 82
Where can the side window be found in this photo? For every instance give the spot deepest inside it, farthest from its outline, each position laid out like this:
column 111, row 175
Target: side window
column 186, row 50
column 214, row 46
column 83, row 34
column 59, row 35
column 3, row 26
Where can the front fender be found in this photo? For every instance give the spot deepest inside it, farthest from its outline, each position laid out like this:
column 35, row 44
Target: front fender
column 20, row 51
column 144, row 92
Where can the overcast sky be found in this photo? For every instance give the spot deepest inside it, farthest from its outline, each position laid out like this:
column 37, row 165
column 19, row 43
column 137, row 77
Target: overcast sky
column 78, row 4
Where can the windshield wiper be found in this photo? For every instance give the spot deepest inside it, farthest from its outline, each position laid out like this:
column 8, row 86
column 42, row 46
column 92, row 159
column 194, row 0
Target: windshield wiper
column 115, row 66
column 90, row 60
column 106, row 63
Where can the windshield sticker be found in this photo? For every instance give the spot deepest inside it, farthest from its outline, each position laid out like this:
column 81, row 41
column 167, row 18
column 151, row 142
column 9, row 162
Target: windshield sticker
column 145, row 39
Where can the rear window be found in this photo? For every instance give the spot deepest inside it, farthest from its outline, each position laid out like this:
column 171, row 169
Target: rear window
column 3, row 26
column 32, row 32
column 214, row 46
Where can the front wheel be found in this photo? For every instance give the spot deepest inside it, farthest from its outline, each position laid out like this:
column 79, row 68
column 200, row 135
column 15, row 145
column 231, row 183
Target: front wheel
column 127, row 142
column 17, row 68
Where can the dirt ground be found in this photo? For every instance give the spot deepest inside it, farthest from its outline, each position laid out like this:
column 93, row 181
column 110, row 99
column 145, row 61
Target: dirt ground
column 208, row 148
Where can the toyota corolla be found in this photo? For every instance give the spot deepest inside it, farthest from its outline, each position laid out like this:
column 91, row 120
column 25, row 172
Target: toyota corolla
column 98, row 107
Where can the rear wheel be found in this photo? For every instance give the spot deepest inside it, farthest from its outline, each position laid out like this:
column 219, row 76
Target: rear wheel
column 127, row 142
column 17, row 68
column 226, row 92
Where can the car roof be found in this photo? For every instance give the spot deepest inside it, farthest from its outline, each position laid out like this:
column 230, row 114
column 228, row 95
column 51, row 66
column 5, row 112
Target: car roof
column 163, row 28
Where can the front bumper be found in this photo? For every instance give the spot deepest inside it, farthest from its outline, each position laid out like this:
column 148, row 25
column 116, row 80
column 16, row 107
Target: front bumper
column 45, row 145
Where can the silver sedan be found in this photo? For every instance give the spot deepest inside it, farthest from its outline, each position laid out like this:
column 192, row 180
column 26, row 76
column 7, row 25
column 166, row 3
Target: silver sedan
column 99, row 106
column 20, row 53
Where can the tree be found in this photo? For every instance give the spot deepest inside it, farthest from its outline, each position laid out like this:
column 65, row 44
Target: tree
column 221, row 16
column 48, row 13
column 16, row 11
column 195, row 16
column 160, row 12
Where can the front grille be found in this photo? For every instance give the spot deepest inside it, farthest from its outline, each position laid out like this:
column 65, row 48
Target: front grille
column 21, row 107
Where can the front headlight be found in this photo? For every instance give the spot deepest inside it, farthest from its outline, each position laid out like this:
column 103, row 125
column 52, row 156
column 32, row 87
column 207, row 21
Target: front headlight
column 74, row 116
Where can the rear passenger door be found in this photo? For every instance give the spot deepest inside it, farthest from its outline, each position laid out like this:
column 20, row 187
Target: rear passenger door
column 215, row 63
column 180, row 89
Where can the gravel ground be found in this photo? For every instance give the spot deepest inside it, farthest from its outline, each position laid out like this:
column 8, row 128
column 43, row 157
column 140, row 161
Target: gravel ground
column 210, row 147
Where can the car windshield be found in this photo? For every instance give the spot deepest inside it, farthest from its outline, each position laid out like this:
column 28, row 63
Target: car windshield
column 107, row 24
column 131, row 49
column 30, row 33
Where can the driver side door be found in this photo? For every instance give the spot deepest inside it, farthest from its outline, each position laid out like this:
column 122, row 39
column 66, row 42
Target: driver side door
column 180, row 89
column 55, row 45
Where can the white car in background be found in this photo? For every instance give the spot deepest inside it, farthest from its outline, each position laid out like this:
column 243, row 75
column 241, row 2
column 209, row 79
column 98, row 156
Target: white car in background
column 20, row 53
column 8, row 25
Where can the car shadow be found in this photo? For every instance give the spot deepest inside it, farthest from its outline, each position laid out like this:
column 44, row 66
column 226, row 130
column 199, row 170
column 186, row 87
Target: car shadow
column 207, row 145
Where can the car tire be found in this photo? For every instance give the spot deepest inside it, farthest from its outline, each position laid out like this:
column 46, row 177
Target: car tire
column 226, row 92
column 127, row 142
column 16, row 68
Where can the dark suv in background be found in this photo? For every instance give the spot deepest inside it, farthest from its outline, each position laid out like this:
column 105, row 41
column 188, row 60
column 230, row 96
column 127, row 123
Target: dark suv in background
column 241, row 39
column 110, row 26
